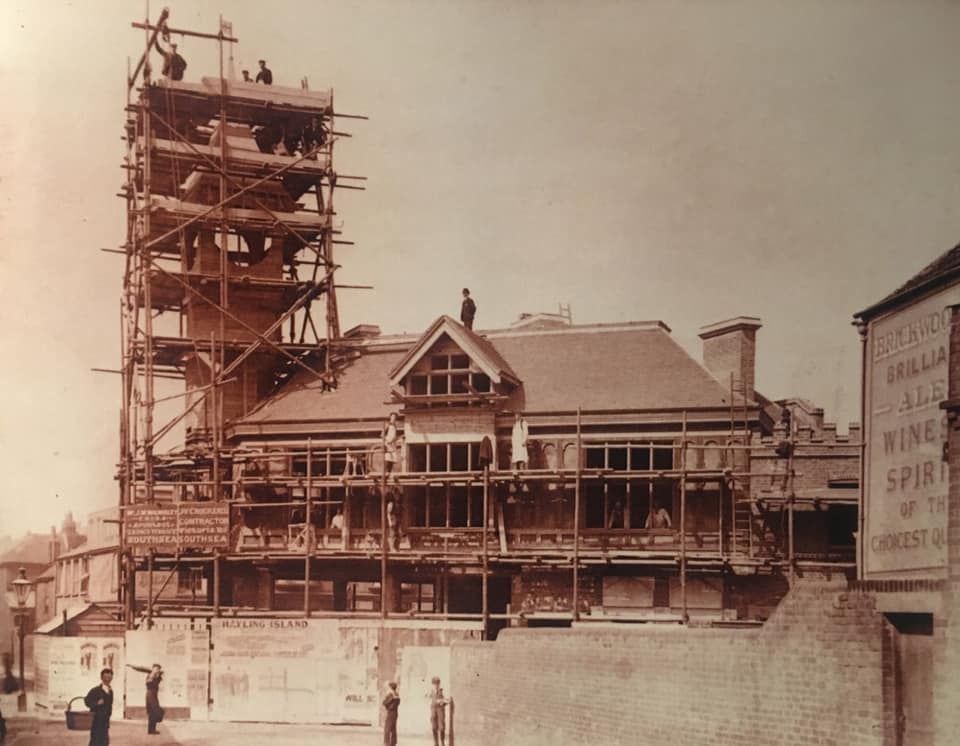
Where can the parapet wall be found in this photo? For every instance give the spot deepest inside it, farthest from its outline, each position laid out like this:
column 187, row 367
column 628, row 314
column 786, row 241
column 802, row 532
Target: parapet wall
column 819, row 672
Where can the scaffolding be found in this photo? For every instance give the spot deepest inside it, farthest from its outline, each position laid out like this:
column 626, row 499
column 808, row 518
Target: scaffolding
column 230, row 237
column 685, row 547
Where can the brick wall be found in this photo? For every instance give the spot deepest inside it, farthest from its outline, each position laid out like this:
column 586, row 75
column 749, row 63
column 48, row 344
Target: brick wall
column 819, row 672
column 469, row 660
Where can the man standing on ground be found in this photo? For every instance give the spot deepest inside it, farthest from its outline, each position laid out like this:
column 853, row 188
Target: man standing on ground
column 468, row 309
column 99, row 700
column 438, row 713
column 154, row 710
column 391, row 703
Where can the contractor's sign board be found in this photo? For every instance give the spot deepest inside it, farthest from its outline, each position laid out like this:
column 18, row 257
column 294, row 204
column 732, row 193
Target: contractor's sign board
column 907, row 478
column 176, row 527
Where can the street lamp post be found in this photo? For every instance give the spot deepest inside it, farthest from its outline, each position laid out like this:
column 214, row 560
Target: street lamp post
column 21, row 590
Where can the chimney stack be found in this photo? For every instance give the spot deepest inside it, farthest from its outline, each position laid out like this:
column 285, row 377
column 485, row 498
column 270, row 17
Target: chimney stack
column 730, row 347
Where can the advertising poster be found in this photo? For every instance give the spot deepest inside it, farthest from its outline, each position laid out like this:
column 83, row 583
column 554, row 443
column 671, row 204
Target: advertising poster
column 67, row 667
column 177, row 650
column 293, row 670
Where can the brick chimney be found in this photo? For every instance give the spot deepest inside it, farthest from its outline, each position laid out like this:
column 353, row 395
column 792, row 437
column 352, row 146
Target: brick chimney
column 730, row 347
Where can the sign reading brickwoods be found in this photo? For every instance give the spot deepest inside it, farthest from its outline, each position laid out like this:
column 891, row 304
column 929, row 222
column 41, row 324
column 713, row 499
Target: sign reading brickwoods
column 905, row 495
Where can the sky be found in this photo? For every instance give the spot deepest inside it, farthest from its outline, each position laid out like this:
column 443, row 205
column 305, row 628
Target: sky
column 687, row 161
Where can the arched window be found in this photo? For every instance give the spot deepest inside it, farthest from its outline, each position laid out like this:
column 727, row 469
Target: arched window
column 712, row 455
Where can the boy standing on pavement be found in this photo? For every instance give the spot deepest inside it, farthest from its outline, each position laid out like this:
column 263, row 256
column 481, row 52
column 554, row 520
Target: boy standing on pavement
column 391, row 703
column 438, row 713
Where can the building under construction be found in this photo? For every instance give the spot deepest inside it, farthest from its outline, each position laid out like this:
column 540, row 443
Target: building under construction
column 450, row 483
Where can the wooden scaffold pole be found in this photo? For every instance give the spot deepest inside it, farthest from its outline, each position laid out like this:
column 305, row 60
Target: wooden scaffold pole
column 308, row 543
column 576, row 521
column 683, row 520
column 383, row 527
column 486, row 569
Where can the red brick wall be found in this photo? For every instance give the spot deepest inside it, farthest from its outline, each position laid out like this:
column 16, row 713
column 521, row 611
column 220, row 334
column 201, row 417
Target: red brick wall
column 732, row 352
column 820, row 671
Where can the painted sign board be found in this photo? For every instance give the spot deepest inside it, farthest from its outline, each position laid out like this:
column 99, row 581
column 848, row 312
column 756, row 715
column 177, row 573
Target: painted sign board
column 177, row 526
column 907, row 478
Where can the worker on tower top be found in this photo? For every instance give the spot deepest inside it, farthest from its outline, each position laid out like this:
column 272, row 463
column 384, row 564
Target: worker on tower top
column 173, row 64
column 265, row 76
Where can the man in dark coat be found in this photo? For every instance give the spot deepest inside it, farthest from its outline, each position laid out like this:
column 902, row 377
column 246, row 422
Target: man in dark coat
column 173, row 64
column 99, row 700
column 468, row 309
column 154, row 710
column 391, row 703
column 265, row 75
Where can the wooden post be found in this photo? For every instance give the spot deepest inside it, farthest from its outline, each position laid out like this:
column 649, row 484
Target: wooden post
column 216, row 583
column 733, row 468
column 148, row 306
column 486, row 520
column 451, row 736
column 130, row 578
column 150, row 589
column 308, row 547
column 683, row 520
column 214, row 420
column 576, row 523
column 790, row 501
column 383, row 528
column 861, row 453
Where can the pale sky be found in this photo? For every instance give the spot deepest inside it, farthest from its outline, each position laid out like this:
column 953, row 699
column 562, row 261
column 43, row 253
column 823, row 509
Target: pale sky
column 684, row 161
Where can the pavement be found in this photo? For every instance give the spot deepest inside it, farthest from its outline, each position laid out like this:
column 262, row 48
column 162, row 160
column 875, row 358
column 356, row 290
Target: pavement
column 28, row 731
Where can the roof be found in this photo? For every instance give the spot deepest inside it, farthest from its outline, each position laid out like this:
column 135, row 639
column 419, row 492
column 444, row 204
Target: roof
column 97, row 614
column 362, row 393
column 607, row 368
column 478, row 348
column 89, row 548
column 32, row 549
column 632, row 366
column 943, row 268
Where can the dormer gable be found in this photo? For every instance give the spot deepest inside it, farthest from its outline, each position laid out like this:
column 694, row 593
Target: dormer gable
column 451, row 365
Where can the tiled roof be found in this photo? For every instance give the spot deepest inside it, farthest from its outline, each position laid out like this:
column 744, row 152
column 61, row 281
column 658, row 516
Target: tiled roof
column 944, row 266
column 602, row 369
column 478, row 347
column 487, row 349
column 361, row 393
column 32, row 549
column 621, row 366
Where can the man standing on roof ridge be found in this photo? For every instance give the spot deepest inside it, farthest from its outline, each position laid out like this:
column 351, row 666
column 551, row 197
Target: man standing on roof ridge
column 468, row 309
column 265, row 76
